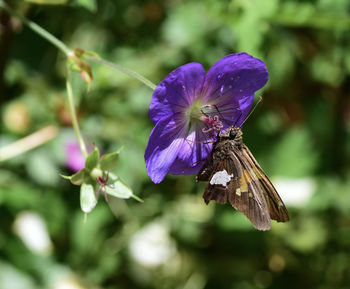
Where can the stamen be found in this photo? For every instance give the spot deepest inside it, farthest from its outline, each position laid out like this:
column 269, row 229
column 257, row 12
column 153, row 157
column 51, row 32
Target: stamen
column 103, row 184
column 214, row 124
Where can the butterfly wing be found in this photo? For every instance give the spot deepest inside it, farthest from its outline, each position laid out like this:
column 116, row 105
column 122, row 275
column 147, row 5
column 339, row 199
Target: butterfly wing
column 230, row 181
column 276, row 207
column 223, row 177
column 206, row 170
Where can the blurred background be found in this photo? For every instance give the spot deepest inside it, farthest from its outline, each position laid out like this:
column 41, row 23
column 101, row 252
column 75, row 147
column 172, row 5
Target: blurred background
column 299, row 134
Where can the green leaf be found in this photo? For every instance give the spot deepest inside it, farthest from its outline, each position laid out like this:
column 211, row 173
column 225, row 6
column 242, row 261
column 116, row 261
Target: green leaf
column 78, row 178
column 66, row 177
column 119, row 189
column 88, row 198
column 92, row 159
column 88, row 4
column 109, row 161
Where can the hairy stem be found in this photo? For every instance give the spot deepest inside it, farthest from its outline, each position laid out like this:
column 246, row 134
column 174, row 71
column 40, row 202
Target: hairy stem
column 73, row 115
column 39, row 30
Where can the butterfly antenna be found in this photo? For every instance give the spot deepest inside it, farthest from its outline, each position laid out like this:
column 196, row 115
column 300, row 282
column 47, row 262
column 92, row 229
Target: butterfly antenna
column 260, row 99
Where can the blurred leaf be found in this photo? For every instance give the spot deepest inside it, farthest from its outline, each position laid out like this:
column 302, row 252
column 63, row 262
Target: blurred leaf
column 186, row 24
column 88, row 198
column 78, row 178
column 328, row 68
column 119, row 189
column 109, row 161
column 309, row 235
column 92, row 159
column 88, row 4
column 294, row 155
column 231, row 220
column 11, row 277
column 89, row 237
column 41, row 167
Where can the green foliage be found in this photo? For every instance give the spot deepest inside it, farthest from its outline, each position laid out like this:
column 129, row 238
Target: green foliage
column 109, row 161
column 88, row 198
column 92, row 159
column 173, row 240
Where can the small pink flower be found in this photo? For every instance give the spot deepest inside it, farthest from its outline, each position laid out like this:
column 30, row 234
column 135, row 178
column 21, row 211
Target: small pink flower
column 75, row 160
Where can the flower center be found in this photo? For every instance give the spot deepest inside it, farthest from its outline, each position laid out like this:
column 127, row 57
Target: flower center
column 199, row 113
column 194, row 113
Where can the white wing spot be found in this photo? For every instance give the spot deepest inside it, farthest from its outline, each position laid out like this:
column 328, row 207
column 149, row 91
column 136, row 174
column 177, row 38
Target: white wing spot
column 221, row 178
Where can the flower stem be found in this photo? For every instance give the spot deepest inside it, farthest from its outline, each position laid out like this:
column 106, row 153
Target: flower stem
column 124, row 70
column 39, row 30
column 74, row 117
column 68, row 52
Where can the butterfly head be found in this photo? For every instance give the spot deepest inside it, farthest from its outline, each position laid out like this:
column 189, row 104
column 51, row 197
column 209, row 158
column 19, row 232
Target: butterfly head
column 233, row 133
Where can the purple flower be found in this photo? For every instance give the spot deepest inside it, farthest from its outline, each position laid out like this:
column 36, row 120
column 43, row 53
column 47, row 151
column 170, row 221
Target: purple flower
column 189, row 107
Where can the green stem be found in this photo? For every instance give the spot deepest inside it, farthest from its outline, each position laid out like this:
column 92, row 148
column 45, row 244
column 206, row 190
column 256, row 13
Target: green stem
column 129, row 72
column 74, row 116
column 36, row 28
column 68, row 52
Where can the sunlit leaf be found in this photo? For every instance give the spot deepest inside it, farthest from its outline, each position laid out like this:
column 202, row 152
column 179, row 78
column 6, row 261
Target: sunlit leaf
column 88, row 198
column 119, row 190
column 78, row 178
column 109, row 161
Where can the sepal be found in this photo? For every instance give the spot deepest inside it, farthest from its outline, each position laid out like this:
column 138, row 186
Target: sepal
column 88, row 198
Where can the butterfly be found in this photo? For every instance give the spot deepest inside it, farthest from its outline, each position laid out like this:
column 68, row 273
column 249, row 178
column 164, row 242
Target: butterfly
column 234, row 176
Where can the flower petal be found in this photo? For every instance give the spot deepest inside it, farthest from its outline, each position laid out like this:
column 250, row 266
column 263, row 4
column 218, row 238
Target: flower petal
column 195, row 150
column 234, row 112
column 164, row 144
column 177, row 91
column 234, row 77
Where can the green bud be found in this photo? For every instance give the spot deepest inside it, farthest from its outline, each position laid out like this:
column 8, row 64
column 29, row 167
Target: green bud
column 76, row 63
column 95, row 173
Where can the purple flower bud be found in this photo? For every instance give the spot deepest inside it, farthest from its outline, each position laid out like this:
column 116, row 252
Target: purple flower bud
column 189, row 107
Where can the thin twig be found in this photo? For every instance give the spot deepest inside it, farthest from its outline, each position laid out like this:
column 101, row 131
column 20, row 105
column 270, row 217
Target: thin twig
column 29, row 142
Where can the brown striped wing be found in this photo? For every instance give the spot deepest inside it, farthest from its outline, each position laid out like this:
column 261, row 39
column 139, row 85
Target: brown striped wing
column 276, row 207
column 242, row 190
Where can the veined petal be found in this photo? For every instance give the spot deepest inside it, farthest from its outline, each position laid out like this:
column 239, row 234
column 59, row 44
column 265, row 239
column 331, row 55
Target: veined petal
column 195, row 150
column 163, row 147
column 233, row 77
column 177, row 91
column 234, row 111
